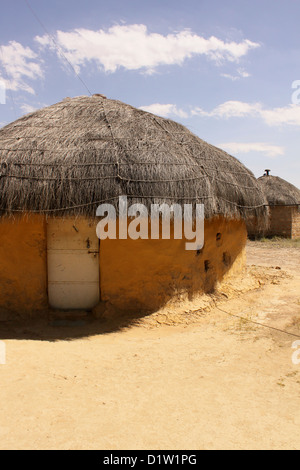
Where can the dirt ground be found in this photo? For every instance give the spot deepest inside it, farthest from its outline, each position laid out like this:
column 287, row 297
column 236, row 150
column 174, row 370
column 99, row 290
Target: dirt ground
column 200, row 377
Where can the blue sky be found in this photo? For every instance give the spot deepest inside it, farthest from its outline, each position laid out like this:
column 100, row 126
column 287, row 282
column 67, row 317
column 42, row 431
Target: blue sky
column 225, row 69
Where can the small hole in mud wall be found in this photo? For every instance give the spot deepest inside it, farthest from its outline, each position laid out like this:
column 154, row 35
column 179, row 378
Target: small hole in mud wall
column 226, row 259
column 199, row 252
column 219, row 240
column 207, row 265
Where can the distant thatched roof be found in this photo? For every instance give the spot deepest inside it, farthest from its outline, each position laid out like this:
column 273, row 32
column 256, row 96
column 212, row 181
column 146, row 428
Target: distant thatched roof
column 72, row 156
column 279, row 192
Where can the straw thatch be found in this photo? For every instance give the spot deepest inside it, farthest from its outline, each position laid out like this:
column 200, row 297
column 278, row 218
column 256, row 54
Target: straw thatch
column 279, row 192
column 72, row 156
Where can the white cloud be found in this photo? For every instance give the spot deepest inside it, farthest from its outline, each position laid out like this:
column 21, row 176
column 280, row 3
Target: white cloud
column 245, row 147
column 20, row 65
column 134, row 48
column 165, row 110
column 287, row 115
column 231, row 77
column 27, row 108
column 230, row 109
column 241, row 73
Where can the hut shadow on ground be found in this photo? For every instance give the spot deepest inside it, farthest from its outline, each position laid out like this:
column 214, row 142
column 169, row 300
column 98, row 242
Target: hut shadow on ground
column 68, row 328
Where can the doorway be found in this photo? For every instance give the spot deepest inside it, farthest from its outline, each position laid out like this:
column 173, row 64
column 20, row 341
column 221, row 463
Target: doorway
column 73, row 264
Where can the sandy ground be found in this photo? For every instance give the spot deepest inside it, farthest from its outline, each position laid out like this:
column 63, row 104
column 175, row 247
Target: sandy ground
column 204, row 380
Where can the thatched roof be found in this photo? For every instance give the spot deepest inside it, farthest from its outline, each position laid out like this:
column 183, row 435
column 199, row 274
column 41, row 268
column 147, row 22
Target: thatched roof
column 70, row 157
column 278, row 191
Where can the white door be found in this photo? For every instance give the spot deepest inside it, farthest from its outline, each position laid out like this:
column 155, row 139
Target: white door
column 73, row 264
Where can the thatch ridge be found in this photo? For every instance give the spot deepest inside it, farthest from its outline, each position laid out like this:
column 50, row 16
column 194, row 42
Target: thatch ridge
column 279, row 192
column 71, row 156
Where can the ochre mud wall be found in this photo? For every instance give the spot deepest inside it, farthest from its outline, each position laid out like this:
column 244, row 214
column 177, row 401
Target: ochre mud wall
column 284, row 221
column 280, row 221
column 145, row 274
column 135, row 275
column 296, row 222
column 255, row 228
column 23, row 270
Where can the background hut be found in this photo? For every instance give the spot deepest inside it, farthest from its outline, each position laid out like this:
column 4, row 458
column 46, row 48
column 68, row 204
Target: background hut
column 284, row 201
column 59, row 163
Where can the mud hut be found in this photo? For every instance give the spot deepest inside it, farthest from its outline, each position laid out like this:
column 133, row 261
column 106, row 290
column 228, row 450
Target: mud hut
column 59, row 163
column 284, row 202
